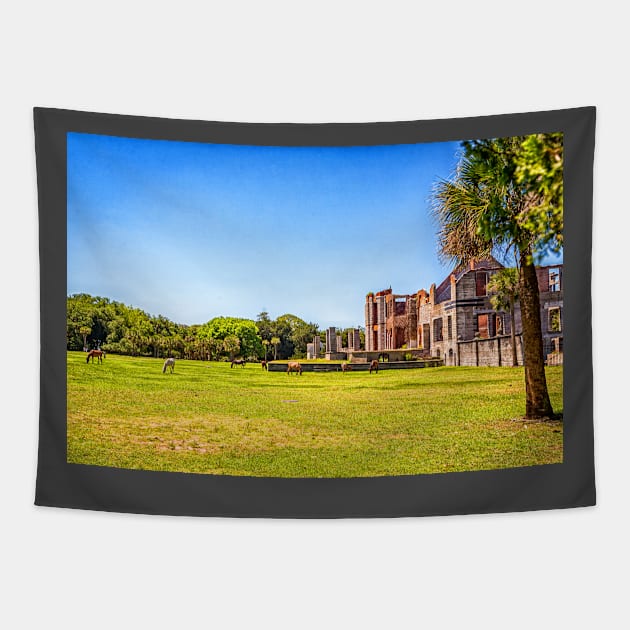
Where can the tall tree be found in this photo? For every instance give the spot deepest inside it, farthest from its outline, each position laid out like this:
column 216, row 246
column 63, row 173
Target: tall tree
column 294, row 334
column 491, row 208
column 84, row 332
column 264, row 325
column 275, row 342
column 232, row 345
column 503, row 287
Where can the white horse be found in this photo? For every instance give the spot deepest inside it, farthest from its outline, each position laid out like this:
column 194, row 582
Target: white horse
column 170, row 362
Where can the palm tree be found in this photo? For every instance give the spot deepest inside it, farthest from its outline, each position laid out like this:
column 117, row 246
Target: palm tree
column 232, row 344
column 484, row 211
column 504, row 289
column 275, row 342
column 265, row 343
column 84, row 331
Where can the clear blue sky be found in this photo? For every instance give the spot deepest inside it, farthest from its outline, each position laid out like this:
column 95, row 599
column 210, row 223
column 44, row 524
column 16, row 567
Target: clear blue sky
column 192, row 231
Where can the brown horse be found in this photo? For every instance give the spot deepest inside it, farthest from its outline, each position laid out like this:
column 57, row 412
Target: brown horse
column 294, row 366
column 346, row 367
column 240, row 362
column 98, row 354
column 374, row 366
column 263, row 364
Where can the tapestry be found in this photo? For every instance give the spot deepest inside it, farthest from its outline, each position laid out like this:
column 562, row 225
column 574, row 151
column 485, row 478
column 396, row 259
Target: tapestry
column 315, row 320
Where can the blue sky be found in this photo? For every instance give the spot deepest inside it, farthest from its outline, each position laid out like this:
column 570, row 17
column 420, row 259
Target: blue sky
column 192, row 231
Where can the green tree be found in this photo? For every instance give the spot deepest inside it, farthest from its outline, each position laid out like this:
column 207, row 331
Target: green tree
column 265, row 343
column 282, row 330
column 490, row 209
column 85, row 331
column 264, row 325
column 294, row 334
column 244, row 329
column 503, row 287
column 79, row 317
column 539, row 168
column 275, row 342
column 301, row 335
column 232, row 344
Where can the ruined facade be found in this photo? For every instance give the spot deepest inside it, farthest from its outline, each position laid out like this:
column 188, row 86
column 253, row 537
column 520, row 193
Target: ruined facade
column 455, row 320
column 390, row 321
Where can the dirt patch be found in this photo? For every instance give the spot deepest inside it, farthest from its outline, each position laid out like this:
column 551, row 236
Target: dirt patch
column 215, row 435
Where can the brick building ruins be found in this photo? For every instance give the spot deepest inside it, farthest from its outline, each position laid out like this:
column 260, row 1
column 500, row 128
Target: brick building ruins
column 455, row 321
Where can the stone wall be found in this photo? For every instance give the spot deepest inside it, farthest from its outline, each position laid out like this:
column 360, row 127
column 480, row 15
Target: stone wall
column 494, row 352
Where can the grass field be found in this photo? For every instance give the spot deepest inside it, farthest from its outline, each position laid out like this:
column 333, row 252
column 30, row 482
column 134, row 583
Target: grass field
column 210, row 418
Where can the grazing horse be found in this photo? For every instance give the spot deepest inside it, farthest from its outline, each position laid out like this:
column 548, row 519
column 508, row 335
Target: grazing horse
column 240, row 362
column 99, row 354
column 294, row 366
column 346, row 367
column 374, row 366
column 263, row 364
column 170, row 362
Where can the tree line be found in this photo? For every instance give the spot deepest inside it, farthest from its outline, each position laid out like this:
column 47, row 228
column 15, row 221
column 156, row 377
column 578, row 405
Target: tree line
column 98, row 322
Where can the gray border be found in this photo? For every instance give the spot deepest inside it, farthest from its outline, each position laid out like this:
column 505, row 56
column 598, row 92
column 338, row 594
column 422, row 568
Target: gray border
column 570, row 484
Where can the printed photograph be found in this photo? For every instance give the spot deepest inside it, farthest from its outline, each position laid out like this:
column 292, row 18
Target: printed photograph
column 315, row 312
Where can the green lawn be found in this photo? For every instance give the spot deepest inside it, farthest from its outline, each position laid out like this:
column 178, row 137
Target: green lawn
column 210, row 418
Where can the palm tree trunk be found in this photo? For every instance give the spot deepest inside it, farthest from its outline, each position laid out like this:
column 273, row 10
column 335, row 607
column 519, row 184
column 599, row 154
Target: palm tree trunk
column 537, row 403
column 513, row 333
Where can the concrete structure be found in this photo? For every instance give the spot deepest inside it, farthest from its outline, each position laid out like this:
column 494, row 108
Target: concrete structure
column 455, row 320
column 313, row 349
column 354, row 339
column 317, row 345
column 331, row 340
column 334, row 346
